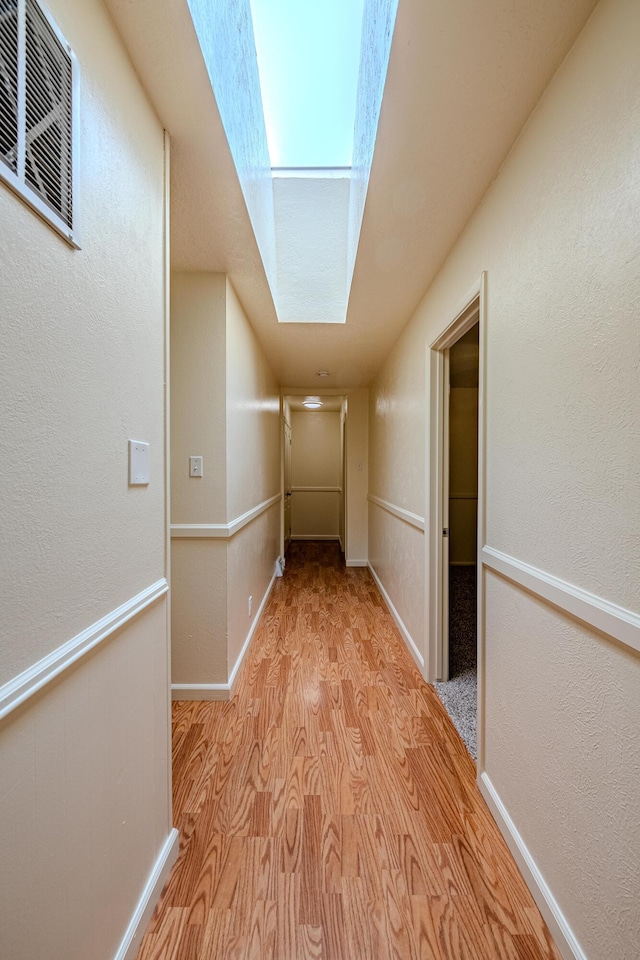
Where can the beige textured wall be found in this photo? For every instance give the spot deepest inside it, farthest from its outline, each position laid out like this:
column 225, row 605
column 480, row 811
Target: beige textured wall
column 84, row 804
column 226, row 407
column 253, row 472
column 253, row 416
column 198, row 384
column 82, row 339
column 199, row 611
column 198, row 428
column 558, row 235
column 357, row 454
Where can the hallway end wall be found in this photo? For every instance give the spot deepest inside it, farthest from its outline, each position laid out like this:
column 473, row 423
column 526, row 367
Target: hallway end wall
column 557, row 235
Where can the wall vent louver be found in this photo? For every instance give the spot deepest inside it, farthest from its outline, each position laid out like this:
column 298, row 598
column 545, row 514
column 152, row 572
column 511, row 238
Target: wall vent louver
column 9, row 83
column 37, row 101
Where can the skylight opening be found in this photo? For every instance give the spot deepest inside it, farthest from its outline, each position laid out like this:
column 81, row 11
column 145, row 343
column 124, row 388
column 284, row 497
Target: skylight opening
column 308, row 60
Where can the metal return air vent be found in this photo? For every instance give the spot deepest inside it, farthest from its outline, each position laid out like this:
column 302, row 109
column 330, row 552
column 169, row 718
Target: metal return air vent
column 37, row 101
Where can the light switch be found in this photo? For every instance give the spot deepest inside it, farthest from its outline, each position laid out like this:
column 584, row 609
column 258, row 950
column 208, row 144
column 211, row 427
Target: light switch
column 138, row 462
column 195, row 467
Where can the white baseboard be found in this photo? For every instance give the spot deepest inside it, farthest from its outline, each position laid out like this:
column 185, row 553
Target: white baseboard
column 547, row 904
column 417, row 656
column 150, row 895
column 221, row 691
column 314, row 536
column 357, row 563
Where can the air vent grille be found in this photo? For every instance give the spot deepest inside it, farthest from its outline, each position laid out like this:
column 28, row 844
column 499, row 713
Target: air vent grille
column 9, row 83
column 48, row 115
column 37, row 74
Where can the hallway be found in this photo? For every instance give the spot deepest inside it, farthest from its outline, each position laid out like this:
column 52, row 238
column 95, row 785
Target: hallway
column 329, row 810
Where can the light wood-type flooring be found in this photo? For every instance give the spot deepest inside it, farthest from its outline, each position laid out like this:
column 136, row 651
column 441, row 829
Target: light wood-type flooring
column 330, row 809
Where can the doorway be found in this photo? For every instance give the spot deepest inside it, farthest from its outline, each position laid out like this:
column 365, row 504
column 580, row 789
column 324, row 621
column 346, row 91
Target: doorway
column 457, row 519
column 314, row 469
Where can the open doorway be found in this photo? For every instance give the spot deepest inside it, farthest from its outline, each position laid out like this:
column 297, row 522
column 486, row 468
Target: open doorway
column 314, row 470
column 456, row 507
column 457, row 687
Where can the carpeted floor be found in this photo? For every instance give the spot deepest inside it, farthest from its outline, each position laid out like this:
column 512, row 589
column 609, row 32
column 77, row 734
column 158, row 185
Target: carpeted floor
column 459, row 694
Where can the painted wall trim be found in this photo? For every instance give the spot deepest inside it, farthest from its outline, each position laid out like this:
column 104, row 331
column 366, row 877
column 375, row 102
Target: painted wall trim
column 150, row 896
column 316, row 489
column 200, row 691
column 608, row 618
column 221, row 531
column 549, row 908
column 398, row 619
column 30, row 681
column 400, row 512
column 222, row 691
column 315, row 536
column 357, row 563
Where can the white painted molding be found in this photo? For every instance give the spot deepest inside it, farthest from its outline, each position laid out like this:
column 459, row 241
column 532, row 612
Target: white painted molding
column 357, row 563
column 400, row 512
column 316, row 489
column 222, row 691
column 200, row 691
column 150, row 895
column 316, row 536
column 200, row 531
column 221, row 531
column 16, row 691
column 417, row 656
column 608, row 618
column 549, row 908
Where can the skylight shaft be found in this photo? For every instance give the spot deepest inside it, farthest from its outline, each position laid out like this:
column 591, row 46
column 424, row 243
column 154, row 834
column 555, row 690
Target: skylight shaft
column 308, row 59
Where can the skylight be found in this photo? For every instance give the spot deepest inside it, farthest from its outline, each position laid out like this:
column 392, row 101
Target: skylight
column 308, row 59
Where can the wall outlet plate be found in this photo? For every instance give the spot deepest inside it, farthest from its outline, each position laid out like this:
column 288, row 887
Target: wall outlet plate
column 139, row 460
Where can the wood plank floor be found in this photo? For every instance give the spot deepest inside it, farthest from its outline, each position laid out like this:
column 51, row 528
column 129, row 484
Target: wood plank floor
column 330, row 809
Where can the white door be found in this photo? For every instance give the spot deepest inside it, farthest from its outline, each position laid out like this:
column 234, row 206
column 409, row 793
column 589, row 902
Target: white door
column 287, row 485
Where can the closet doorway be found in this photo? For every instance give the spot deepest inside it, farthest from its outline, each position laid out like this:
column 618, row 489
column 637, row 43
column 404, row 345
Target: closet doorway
column 456, row 538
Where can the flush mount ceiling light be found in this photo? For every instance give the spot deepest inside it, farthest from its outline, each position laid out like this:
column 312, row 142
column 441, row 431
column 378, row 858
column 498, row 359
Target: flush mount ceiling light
column 312, row 403
column 322, row 373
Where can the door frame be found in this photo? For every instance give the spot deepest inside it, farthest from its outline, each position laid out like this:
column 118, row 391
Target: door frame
column 472, row 310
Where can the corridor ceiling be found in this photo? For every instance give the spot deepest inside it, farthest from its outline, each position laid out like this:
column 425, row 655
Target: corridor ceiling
column 463, row 78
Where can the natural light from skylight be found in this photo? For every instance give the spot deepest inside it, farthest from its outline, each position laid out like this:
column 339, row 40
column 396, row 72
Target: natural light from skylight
column 308, row 59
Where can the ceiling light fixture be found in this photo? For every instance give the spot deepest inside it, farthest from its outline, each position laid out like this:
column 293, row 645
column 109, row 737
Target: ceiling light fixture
column 322, row 373
column 312, row 403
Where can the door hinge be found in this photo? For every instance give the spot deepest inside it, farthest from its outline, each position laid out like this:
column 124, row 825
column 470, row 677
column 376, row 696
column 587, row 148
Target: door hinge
column 445, row 531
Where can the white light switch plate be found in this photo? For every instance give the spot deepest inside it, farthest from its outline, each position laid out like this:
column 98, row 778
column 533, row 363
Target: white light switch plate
column 195, row 467
column 138, row 462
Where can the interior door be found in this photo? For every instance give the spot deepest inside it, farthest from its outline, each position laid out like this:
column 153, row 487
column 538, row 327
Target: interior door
column 444, row 575
column 287, row 485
